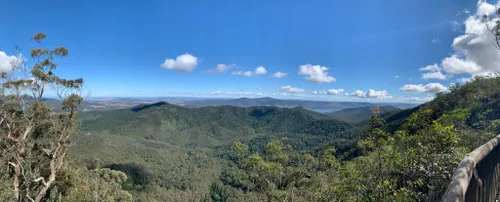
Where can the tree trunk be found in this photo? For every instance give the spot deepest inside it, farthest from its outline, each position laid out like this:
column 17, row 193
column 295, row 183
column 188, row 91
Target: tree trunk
column 17, row 173
column 45, row 187
column 52, row 177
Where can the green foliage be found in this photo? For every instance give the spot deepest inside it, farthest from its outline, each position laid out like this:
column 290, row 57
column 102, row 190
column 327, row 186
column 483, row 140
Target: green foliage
column 175, row 147
column 96, row 185
column 358, row 114
column 218, row 193
column 34, row 139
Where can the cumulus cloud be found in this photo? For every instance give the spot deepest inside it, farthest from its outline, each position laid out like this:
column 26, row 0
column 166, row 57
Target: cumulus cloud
column 258, row 71
column 334, row 91
column 222, row 68
column 315, row 73
column 370, row 94
column 183, row 63
column 433, row 72
column 434, row 75
column 9, row 62
column 433, row 67
column 291, row 89
column 475, row 53
column 279, row 74
column 429, row 88
column 328, row 92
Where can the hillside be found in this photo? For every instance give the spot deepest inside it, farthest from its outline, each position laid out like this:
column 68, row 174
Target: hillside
column 358, row 114
column 174, row 153
column 168, row 147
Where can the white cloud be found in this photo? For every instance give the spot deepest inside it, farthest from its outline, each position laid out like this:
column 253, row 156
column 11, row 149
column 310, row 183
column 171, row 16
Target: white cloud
column 328, row 92
column 484, row 8
column 279, row 74
column 475, row 52
column 370, row 94
column 410, row 78
column 335, row 91
column 322, row 92
column 455, row 65
column 183, row 63
column 436, row 40
column 396, row 77
column 429, row 88
column 8, row 63
column 433, row 67
column 258, row 71
column 464, row 80
column 456, row 26
column 242, row 73
column 222, row 68
column 258, row 94
column 465, row 12
column 434, row 72
column 434, row 75
column 259, row 89
column 221, row 93
column 291, row 89
column 315, row 73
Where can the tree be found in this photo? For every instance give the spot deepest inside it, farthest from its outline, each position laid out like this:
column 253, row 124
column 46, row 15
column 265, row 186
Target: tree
column 34, row 139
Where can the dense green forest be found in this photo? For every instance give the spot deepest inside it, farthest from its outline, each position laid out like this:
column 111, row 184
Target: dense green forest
column 181, row 151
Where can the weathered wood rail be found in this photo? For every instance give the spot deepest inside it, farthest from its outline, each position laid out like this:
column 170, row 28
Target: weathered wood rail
column 477, row 177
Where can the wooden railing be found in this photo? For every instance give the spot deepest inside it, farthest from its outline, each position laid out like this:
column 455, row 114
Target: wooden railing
column 477, row 177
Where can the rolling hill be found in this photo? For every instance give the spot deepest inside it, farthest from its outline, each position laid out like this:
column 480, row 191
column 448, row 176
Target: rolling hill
column 172, row 148
column 357, row 114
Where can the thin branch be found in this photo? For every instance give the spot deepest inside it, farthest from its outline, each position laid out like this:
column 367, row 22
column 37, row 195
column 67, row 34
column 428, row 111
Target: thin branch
column 13, row 164
column 47, row 151
column 31, row 199
column 41, row 179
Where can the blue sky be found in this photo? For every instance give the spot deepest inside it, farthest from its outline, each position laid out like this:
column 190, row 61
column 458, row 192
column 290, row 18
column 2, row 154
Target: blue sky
column 118, row 47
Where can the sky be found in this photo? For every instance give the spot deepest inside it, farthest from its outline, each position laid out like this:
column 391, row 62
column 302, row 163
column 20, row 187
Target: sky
column 364, row 50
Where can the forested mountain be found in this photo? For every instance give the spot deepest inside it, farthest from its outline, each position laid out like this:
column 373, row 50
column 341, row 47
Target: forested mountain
column 176, row 153
column 358, row 114
column 173, row 149
column 166, row 152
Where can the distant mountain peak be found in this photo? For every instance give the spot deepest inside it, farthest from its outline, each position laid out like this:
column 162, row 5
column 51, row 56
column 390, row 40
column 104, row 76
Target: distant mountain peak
column 146, row 106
